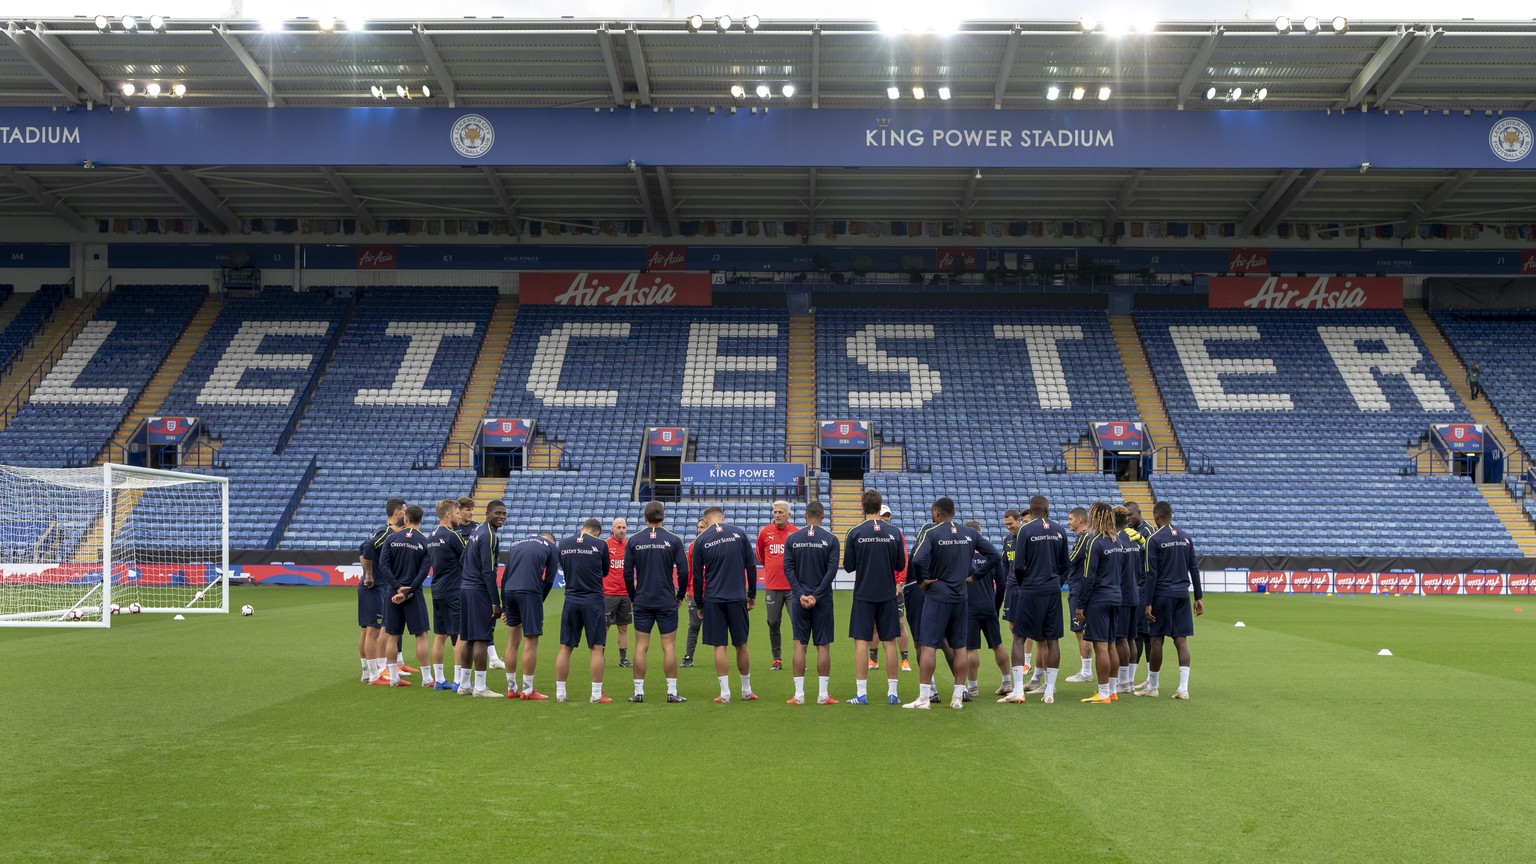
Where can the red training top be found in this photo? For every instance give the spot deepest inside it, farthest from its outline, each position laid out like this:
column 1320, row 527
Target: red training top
column 770, row 554
column 613, row 581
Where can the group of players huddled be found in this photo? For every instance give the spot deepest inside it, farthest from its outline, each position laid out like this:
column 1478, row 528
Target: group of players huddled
column 1128, row 588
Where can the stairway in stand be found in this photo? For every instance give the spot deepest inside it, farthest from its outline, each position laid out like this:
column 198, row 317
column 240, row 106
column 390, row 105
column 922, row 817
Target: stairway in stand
column 487, row 489
column 1141, row 493
column 800, row 433
column 1149, row 400
column 482, row 382
column 847, row 505
column 1512, row 513
column 175, row 362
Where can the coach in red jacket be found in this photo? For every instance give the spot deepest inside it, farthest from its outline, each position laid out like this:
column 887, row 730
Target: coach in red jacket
column 770, row 553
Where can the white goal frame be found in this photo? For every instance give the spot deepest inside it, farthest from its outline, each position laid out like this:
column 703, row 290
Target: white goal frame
column 97, row 614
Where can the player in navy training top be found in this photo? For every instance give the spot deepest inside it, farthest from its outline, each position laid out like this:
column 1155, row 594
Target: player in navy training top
column 1175, row 569
column 656, row 581
column 1098, row 598
column 445, row 548
column 371, row 596
column 1040, row 569
column 584, row 561
column 1130, row 610
column 479, row 600
column 724, row 577
column 402, row 567
column 1139, row 531
column 1077, row 523
column 810, row 565
column 532, row 563
column 874, row 552
column 983, row 599
column 944, row 556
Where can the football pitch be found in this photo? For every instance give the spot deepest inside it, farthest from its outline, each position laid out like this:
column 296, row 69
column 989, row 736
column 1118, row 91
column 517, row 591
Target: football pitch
column 232, row 739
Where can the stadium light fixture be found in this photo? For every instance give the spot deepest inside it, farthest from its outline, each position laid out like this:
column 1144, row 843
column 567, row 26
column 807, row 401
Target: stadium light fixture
column 274, row 25
column 103, row 23
column 893, row 92
column 1261, row 95
column 751, row 23
column 426, row 91
column 1210, row 93
column 723, row 23
column 788, row 90
column 129, row 89
column 738, row 91
column 944, row 93
column 130, row 23
column 157, row 23
column 763, row 91
column 1237, row 93
column 1283, row 24
column 1088, row 23
column 1079, row 92
column 1310, row 24
column 357, row 25
column 1104, row 93
column 377, row 91
column 1340, row 24
column 695, row 23
column 402, row 92
column 918, row 92
column 178, row 90
column 152, row 90
column 327, row 23
column 1052, row 93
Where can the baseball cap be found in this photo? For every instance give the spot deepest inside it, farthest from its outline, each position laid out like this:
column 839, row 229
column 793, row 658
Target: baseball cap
column 884, row 510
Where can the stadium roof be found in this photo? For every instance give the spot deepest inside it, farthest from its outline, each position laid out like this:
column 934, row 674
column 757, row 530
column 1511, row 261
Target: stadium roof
column 1475, row 66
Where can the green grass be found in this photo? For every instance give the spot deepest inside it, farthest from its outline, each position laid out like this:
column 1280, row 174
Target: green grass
column 227, row 739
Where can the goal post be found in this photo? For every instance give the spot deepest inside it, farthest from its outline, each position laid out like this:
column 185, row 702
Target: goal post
column 163, row 536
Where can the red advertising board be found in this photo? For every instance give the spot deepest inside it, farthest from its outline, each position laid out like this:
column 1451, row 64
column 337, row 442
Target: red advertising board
column 666, row 257
column 615, row 289
column 1484, row 583
column 1306, row 292
column 376, row 258
column 1273, row 580
column 1528, row 263
column 1311, row 581
column 946, row 256
column 1442, row 583
column 1398, row 583
column 1354, row 583
column 1522, row 583
column 1247, row 260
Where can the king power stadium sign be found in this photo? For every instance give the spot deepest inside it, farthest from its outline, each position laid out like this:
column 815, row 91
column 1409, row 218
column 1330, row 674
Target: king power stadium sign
column 171, row 135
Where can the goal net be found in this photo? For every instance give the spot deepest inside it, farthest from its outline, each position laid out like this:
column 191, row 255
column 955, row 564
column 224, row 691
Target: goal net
column 162, row 535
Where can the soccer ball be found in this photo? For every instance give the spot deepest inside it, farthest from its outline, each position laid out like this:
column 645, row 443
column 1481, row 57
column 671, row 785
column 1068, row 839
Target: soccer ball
column 116, row 609
column 247, row 611
column 75, row 615
column 134, row 608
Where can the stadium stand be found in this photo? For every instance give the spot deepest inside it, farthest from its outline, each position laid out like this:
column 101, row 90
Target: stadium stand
column 1308, row 436
column 594, row 379
column 981, row 401
column 33, row 310
column 387, row 399
column 247, row 402
column 77, row 406
column 1500, row 340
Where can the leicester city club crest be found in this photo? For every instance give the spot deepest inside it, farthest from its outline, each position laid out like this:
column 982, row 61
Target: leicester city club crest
column 472, row 136
column 1510, row 139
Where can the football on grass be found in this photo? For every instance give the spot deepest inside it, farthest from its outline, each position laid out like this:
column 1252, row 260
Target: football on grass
column 75, row 615
column 135, row 608
column 116, row 608
column 247, row 611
